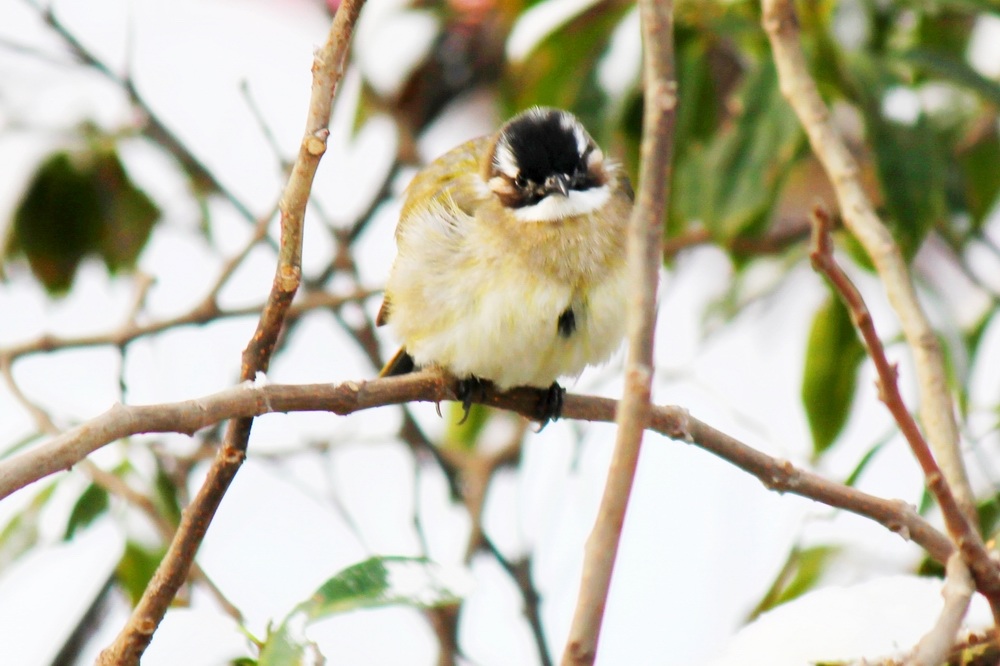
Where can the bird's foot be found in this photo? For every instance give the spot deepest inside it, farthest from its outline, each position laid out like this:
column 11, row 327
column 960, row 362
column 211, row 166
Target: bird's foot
column 470, row 390
column 550, row 404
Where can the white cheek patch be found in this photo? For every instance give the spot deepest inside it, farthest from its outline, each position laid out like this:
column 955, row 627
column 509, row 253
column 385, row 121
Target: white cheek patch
column 595, row 158
column 556, row 207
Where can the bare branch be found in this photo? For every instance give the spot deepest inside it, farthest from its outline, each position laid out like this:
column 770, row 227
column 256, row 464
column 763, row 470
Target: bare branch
column 973, row 550
column 154, row 128
column 936, row 645
column 328, row 68
column 798, row 87
column 644, row 256
column 203, row 313
column 248, row 400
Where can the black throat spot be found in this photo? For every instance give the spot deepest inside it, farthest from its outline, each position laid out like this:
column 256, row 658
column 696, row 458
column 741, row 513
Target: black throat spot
column 567, row 323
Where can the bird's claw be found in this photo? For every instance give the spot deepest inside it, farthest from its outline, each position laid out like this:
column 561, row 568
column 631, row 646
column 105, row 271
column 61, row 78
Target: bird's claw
column 550, row 405
column 468, row 391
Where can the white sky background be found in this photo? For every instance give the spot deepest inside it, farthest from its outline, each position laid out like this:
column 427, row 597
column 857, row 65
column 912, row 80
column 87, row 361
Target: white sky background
column 702, row 541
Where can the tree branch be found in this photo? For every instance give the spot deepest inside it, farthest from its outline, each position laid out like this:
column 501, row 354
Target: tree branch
column 798, row 87
column 971, row 546
column 936, row 645
column 250, row 400
column 644, row 256
column 328, row 67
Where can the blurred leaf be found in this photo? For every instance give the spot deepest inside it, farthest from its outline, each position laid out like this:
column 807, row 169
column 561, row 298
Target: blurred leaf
column 909, row 162
column 992, row 6
column 799, row 574
column 136, row 568
column 859, row 469
column 945, row 31
column 733, row 183
column 699, row 109
column 465, row 435
column 955, row 69
column 286, row 647
column 378, row 581
column 92, row 503
column 930, row 567
column 165, row 495
column 971, row 337
column 382, row 581
column 128, row 215
column 978, row 164
column 833, row 354
column 989, row 522
column 911, row 170
column 58, row 221
column 555, row 73
column 926, row 502
column 20, row 534
column 989, row 515
column 79, row 204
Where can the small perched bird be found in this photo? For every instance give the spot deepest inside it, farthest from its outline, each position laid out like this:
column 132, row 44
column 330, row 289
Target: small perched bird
column 510, row 262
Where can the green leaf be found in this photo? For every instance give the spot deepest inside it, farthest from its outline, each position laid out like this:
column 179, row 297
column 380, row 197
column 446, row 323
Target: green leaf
column 378, row 581
column 909, row 162
column 558, row 69
column 79, row 204
column 980, row 176
column 956, row 70
column 989, row 515
column 464, row 435
column 737, row 177
column 382, row 581
column 128, row 214
column 20, row 534
column 165, row 495
column 136, row 568
column 698, row 110
column 93, row 502
column 911, row 170
column 833, row 354
column 989, row 521
column 945, row 32
column 859, row 469
column 799, row 574
column 57, row 222
column 286, row 647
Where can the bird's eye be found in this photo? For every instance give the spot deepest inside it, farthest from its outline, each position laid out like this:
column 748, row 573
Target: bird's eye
column 520, row 181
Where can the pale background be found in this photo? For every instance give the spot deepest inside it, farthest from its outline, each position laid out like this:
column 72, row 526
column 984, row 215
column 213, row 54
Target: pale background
column 702, row 542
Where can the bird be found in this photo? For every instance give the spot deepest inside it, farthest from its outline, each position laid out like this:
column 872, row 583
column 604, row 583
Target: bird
column 511, row 260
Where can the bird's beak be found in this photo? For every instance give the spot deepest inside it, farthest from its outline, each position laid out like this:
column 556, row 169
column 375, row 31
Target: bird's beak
column 558, row 183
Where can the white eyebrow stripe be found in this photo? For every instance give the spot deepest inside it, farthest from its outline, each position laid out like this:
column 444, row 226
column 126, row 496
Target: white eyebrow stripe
column 504, row 161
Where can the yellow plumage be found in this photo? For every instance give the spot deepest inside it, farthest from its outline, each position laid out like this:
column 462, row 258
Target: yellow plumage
column 481, row 293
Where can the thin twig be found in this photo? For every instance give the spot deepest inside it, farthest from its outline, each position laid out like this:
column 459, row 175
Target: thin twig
column 154, row 128
column 328, row 68
column 520, row 572
column 645, row 242
column 116, row 486
column 119, row 488
column 799, row 88
column 246, row 400
column 200, row 314
column 961, row 531
column 937, row 644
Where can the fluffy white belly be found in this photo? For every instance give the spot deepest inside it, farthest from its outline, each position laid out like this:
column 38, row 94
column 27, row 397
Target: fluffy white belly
column 510, row 333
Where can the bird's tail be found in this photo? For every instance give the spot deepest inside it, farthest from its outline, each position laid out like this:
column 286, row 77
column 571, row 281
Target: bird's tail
column 400, row 364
